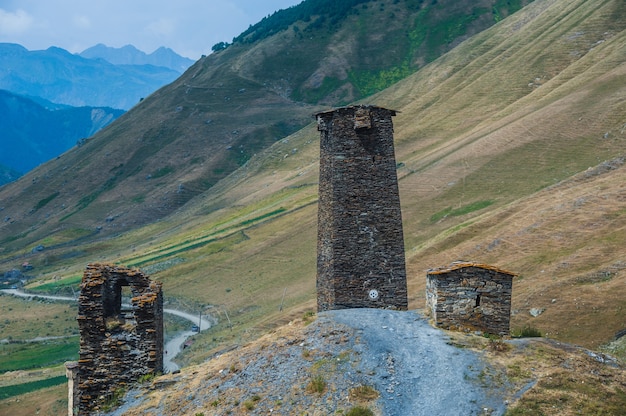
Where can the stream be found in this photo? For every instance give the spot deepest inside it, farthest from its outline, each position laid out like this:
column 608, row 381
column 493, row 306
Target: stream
column 170, row 350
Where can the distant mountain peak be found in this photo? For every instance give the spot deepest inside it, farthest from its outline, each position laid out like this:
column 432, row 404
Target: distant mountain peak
column 12, row 48
column 130, row 55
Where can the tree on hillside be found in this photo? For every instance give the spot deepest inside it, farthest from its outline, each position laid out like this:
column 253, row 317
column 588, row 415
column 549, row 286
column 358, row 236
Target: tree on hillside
column 220, row 46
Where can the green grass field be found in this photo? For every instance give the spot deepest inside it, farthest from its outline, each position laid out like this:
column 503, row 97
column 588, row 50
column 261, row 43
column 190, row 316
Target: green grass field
column 37, row 355
column 19, row 389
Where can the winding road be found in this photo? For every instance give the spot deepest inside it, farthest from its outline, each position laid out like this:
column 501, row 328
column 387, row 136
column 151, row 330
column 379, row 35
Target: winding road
column 172, row 347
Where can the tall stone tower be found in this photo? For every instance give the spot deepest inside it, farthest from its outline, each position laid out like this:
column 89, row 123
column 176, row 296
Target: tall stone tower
column 360, row 245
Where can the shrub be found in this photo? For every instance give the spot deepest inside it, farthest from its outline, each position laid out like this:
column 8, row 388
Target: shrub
column 363, row 393
column 526, row 332
column 359, row 411
column 249, row 404
column 497, row 345
column 114, row 399
column 316, row 385
column 146, row 378
column 308, row 317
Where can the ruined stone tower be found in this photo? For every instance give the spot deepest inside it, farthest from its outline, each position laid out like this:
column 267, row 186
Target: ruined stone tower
column 118, row 343
column 360, row 246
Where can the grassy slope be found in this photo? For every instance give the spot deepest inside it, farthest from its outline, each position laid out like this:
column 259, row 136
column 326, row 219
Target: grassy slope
column 180, row 141
column 47, row 402
column 523, row 139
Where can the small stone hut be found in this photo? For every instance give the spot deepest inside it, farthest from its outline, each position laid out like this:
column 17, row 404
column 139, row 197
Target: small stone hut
column 470, row 296
column 118, row 342
column 360, row 245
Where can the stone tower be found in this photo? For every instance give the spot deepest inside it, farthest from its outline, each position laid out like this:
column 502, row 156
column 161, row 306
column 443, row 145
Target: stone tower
column 360, row 245
column 118, row 343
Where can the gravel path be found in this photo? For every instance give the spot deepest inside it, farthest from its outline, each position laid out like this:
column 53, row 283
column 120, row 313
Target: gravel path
column 414, row 367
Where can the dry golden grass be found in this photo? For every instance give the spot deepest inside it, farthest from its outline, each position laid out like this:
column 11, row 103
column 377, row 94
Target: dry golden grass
column 559, row 241
column 363, row 394
column 46, row 402
column 545, row 377
column 23, row 319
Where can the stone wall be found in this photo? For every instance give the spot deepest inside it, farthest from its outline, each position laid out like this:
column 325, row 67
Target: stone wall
column 360, row 260
column 118, row 343
column 470, row 296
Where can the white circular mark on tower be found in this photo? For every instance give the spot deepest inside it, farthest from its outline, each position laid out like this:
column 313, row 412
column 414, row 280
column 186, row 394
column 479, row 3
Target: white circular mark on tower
column 373, row 294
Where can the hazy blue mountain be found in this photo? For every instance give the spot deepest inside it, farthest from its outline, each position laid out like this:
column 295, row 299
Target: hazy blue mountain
column 129, row 55
column 31, row 134
column 64, row 78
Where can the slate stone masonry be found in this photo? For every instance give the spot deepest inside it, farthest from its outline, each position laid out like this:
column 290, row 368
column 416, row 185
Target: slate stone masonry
column 470, row 296
column 360, row 260
column 118, row 343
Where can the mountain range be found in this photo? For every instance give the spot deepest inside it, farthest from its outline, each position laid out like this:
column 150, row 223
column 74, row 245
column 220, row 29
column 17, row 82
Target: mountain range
column 509, row 139
column 129, row 55
column 58, row 76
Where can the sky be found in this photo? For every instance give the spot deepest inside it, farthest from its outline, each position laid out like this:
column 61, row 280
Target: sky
column 189, row 27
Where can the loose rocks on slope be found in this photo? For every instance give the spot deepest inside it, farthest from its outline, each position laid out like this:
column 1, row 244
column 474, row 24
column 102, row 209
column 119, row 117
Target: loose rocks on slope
column 314, row 370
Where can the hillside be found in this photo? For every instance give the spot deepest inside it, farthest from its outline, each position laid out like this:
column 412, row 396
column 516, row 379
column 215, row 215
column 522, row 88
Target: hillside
column 509, row 149
column 33, row 134
column 186, row 137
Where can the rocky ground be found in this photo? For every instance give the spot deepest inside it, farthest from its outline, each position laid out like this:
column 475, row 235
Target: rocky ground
column 392, row 363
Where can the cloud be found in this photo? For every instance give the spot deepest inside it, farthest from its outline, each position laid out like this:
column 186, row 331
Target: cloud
column 162, row 27
column 82, row 22
column 14, row 23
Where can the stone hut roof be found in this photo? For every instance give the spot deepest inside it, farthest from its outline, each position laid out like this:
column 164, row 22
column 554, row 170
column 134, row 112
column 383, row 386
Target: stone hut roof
column 464, row 264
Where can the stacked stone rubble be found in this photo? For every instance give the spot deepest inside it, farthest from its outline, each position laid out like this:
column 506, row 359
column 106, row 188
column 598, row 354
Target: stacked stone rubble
column 117, row 344
column 470, row 296
column 360, row 248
